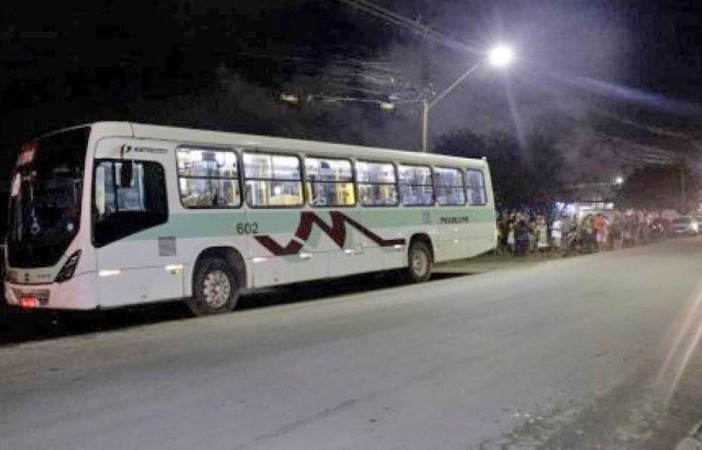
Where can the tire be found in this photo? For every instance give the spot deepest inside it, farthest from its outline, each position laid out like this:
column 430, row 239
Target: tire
column 215, row 288
column 419, row 262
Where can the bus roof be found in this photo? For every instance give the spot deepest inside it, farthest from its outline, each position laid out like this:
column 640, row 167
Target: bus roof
column 205, row 137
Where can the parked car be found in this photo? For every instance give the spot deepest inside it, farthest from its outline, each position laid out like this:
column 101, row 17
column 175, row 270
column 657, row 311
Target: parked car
column 685, row 225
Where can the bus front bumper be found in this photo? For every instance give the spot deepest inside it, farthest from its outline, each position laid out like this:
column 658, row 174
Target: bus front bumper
column 76, row 293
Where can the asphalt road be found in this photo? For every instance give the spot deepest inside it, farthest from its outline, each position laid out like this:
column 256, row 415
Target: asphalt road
column 590, row 352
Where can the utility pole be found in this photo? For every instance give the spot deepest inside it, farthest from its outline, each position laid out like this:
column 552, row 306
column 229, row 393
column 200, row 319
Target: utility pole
column 427, row 105
column 499, row 56
column 425, row 124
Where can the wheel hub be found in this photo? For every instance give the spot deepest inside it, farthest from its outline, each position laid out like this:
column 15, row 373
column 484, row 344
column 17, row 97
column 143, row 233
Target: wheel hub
column 419, row 263
column 216, row 289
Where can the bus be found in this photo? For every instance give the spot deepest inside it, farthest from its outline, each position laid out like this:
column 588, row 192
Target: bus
column 118, row 213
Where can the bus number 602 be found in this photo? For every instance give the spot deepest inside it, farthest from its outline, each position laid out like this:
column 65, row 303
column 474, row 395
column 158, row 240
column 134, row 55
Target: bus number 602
column 246, row 228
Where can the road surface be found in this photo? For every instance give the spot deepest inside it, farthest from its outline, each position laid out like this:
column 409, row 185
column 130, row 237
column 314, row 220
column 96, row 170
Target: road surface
column 596, row 351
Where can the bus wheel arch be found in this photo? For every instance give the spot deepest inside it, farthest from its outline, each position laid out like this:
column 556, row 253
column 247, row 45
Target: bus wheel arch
column 218, row 277
column 420, row 258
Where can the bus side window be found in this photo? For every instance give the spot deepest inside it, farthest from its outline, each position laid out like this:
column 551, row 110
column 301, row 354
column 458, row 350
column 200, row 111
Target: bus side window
column 208, row 178
column 272, row 180
column 416, row 187
column 329, row 182
column 449, row 186
column 376, row 183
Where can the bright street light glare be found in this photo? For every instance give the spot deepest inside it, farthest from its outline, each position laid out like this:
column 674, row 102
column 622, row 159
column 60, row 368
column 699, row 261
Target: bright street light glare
column 500, row 56
column 619, row 180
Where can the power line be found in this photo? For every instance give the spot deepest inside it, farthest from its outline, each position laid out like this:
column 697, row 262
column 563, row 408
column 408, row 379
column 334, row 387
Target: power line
column 651, row 129
column 646, row 154
column 639, row 152
column 412, row 25
column 649, row 154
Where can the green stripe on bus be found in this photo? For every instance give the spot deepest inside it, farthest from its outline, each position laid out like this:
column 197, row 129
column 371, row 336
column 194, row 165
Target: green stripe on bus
column 217, row 224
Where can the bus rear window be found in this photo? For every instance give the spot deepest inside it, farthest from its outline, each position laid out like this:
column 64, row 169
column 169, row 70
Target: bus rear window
column 475, row 186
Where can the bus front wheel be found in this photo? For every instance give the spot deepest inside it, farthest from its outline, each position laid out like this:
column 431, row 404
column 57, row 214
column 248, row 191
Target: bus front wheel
column 419, row 262
column 215, row 288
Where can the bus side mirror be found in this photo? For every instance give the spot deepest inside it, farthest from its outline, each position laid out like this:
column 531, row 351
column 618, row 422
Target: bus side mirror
column 126, row 174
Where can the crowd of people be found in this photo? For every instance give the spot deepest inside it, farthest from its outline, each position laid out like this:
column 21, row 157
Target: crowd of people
column 522, row 233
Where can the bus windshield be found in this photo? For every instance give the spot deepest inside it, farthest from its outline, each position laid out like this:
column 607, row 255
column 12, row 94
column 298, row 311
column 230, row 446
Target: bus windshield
column 45, row 198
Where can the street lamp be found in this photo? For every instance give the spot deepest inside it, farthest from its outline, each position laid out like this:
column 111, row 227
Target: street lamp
column 499, row 57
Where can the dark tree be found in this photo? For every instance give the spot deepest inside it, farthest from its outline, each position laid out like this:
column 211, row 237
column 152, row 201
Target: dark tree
column 656, row 188
column 522, row 177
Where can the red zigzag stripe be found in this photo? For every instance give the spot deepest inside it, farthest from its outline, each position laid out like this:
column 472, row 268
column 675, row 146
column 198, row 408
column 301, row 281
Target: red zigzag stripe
column 337, row 233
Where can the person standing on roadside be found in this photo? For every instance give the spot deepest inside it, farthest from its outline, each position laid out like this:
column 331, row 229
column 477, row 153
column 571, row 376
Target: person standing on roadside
column 588, row 233
column 601, row 226
column 615, row 231
column 533, row 234
column 511, row 232
column 542, row 244
column 522, row 237
column 557, row 233
column 631, row 227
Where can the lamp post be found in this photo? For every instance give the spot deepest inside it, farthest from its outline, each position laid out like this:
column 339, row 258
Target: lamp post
column 499, row 57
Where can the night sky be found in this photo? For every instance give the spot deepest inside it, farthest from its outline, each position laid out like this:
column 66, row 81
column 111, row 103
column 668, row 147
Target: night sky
column 221, row 64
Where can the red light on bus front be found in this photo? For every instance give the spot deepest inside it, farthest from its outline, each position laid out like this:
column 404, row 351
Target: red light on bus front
column 29, row 302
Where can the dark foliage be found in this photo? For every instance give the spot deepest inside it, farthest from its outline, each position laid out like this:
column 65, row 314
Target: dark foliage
column 522, row 177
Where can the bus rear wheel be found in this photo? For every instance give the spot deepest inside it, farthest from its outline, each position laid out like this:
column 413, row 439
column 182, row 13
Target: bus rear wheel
column 215, row 288
column 419, row 262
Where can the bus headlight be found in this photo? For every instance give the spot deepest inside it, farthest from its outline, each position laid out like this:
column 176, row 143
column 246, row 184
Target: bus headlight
column 12, row 276
column 68, row 269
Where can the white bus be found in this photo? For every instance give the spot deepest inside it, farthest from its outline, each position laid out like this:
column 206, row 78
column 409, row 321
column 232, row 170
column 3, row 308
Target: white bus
column 116, row 213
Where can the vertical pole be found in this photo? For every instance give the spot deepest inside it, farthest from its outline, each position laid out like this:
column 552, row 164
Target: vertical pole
column 425, row 125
